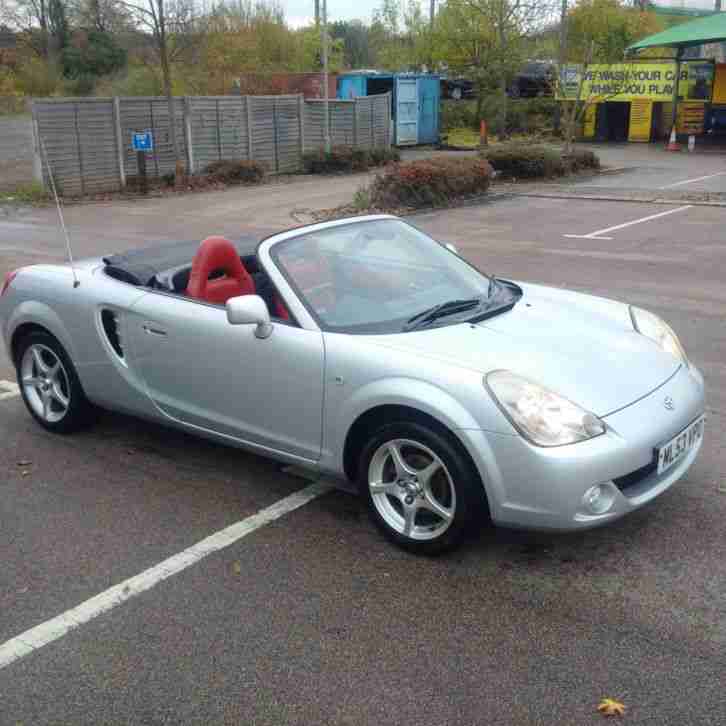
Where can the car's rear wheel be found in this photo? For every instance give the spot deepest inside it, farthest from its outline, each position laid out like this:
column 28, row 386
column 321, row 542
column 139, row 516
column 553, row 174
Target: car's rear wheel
column 49, row 385
column 422, row 491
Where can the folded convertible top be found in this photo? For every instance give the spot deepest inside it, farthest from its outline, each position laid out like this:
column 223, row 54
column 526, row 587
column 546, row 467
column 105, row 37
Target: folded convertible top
column 140, row 266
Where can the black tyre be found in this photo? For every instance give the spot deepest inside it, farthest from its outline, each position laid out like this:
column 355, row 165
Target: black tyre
column 422, row 492
column 49, row 385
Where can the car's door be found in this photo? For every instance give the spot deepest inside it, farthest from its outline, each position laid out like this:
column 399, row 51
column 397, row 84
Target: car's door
column 207, row 373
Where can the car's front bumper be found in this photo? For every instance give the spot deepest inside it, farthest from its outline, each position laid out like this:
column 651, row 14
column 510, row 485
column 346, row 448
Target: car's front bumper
column 544, row 488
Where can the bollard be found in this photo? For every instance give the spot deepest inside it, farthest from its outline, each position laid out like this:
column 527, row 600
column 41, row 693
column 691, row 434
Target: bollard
column 483, row 139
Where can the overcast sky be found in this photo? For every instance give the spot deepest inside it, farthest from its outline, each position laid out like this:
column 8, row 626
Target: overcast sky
column 301, row 12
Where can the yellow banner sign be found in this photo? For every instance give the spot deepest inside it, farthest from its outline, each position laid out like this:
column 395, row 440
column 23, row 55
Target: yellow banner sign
column 631, row 81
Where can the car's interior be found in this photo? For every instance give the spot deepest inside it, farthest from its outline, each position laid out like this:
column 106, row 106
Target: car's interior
column 216, row 273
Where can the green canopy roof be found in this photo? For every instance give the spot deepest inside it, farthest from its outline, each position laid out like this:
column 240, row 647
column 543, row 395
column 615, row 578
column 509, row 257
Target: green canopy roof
column 711, row 29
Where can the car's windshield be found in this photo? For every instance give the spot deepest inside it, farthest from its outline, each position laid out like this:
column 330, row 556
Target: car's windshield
column 381, row 276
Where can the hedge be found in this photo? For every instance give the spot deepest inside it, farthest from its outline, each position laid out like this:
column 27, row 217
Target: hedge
column 347, row 159
column 517, row 161
column 427, row 183
column 236, row 172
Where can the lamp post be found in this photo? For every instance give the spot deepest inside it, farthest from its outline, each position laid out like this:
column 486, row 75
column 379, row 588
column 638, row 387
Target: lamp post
column 326, row 105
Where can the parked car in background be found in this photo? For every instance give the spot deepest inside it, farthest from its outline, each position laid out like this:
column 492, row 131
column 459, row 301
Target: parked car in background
column 536, row 78
column 457, row 89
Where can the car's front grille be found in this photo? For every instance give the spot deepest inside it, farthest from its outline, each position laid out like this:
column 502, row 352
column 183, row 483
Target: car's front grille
column 635, row 477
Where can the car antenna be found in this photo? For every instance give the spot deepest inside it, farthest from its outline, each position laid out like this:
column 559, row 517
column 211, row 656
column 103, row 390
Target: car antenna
column 76, row 281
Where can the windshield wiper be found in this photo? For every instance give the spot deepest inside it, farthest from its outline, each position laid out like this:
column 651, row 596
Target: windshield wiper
column 439, row 311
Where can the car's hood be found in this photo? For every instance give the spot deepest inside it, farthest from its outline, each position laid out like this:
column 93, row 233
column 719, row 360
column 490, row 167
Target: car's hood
column 579, row 346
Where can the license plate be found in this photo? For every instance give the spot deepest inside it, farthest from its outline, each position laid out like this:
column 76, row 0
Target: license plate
column 672, row 452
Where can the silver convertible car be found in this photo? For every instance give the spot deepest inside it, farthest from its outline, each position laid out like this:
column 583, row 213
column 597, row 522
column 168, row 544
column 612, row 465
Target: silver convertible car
column 365, row 350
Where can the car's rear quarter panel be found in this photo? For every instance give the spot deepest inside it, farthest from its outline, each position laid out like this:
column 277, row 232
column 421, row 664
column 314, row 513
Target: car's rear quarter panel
column 44, row 295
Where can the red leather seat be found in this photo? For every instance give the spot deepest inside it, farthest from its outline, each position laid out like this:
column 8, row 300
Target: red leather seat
column 217, row 254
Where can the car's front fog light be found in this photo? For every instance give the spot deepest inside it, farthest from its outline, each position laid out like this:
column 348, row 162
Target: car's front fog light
column 599, row 499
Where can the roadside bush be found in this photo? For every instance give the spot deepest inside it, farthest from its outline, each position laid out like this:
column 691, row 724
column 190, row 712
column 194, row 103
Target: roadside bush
column 236, row 172
column 516, row 161
column 347, row 159
column 432, row 182
column 519, row 161
column 581, row 159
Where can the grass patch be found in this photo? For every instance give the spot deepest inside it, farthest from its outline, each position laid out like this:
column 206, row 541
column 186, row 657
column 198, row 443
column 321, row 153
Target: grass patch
column 462, row 138
column 32, row 193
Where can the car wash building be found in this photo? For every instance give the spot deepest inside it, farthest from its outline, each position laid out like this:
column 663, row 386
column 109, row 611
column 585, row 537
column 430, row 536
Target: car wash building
column 415, row 101
column 641, row 100
column 634, row 101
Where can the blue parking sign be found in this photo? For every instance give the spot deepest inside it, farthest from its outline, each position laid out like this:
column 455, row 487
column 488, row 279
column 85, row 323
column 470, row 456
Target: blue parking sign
column 142, row 141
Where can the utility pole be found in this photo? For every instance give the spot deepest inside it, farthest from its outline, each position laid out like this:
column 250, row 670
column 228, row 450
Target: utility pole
column 317, row 13
column 717, row 6
column 326, row 105
column 561, row 61
column 432, row 13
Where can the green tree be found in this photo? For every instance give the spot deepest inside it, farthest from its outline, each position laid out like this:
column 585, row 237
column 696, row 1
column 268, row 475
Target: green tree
column 357, row 51
column 607, row 27
column 488, row 40
column 94, row 54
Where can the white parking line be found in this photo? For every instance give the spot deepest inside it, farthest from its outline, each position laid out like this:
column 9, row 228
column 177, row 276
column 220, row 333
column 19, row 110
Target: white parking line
column 596, row 234
column 8, row 389
column 690, row 181
column 29, row 641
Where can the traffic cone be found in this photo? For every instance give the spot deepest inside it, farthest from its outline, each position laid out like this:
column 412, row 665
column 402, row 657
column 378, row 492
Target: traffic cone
column 672, row 142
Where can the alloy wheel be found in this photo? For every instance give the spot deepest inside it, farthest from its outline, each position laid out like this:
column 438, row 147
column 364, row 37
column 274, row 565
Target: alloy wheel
column 45, row 383
column 411, row 489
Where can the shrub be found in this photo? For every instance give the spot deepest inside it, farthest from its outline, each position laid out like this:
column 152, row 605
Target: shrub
column 347, row 159
column 432, row 182
column 520, row 161
column 236, row 172
column 581, row 159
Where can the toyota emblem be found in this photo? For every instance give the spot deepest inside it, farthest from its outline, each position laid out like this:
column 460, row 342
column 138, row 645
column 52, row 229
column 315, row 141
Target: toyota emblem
column 668, row 403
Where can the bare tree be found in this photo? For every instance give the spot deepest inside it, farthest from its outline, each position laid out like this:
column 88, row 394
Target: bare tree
column 173, row 25
column 30, row 18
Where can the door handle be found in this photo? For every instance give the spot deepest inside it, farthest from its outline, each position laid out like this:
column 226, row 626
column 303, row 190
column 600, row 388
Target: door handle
column 149, row 330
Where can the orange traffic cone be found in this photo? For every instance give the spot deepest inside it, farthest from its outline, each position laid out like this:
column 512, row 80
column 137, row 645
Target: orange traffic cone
column 672, row 142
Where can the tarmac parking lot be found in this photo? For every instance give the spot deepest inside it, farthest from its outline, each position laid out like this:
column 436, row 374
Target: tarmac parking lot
column 313, row 618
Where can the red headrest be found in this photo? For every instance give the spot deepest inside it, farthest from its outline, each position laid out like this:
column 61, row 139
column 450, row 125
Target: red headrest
column 218, row 254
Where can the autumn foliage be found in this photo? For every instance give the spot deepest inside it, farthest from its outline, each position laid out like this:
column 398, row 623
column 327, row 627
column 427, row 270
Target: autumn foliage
column 431, row 182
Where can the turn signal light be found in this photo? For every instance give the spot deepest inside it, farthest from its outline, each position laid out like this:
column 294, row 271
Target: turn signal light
column 8, row 279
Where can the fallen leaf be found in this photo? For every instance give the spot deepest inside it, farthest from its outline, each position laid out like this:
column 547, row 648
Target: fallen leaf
column 236, row 568
column 611, row 707
column 25, row 472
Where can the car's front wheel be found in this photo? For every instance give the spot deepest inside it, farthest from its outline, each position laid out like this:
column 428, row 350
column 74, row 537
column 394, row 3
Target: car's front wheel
column 422, row 491
column 49, row 385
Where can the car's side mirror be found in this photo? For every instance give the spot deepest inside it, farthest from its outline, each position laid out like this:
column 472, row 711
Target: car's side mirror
column 250, row 310
column 452, row 248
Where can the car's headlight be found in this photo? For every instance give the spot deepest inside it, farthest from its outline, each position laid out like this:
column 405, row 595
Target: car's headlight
column 651, row 326
column 541, row 416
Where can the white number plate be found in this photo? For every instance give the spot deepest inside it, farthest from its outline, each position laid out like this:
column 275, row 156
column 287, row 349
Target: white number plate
column 671, row 453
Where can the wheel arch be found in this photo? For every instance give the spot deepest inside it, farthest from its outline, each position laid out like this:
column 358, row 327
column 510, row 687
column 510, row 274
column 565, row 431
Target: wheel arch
column 33, row 316
column 372, row 419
